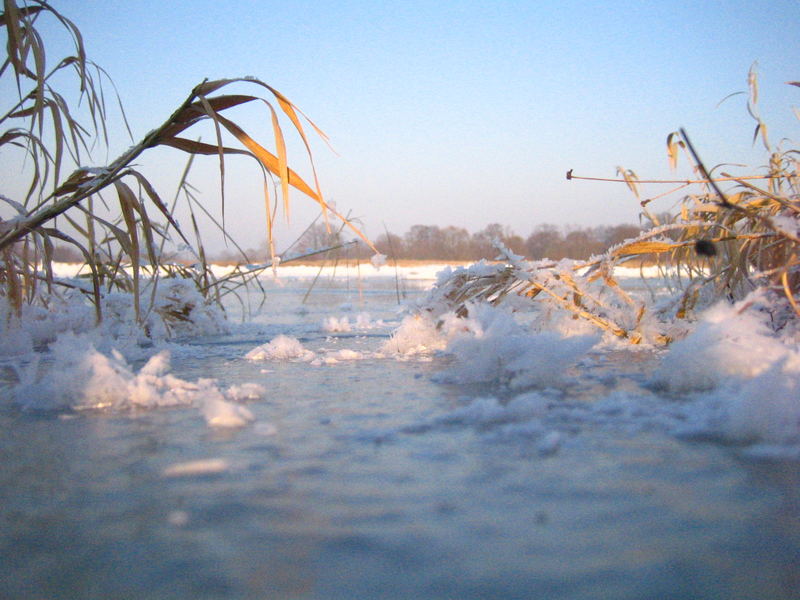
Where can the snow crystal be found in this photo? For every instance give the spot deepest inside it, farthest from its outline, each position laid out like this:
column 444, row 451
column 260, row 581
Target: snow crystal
column 731, row 340
column 767, row 407
column 495, row 348
column 417, row 334
column 336, row 324
column 282, row 347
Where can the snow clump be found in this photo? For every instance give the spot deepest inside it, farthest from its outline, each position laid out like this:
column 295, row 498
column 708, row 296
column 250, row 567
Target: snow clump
column 81, row 378
column 417, row 335
column 282, row 347
column 493, row 347
column 731, row 340
column 336, row 324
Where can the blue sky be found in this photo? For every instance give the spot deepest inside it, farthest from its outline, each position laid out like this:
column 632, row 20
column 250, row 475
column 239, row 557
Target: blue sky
column 460, row 113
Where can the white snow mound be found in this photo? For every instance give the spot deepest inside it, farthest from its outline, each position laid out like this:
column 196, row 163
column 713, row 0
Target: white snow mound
column 282, row 347
column 82, row 378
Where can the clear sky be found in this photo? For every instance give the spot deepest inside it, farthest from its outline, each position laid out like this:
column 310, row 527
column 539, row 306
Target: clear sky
column 460, row 113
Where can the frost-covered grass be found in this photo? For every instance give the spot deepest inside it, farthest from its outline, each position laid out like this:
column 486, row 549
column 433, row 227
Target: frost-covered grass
column 111, row 214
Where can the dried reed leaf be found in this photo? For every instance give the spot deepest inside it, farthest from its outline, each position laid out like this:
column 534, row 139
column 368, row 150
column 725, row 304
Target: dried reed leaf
column 644, row 247
column 269, row 160
column 631, row 180
column 674, row 144
column 283, row 168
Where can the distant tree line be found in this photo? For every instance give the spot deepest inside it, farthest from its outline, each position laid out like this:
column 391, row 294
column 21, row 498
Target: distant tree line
column 431, row 242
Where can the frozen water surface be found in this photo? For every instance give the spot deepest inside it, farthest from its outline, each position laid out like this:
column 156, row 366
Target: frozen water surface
column 366, row 475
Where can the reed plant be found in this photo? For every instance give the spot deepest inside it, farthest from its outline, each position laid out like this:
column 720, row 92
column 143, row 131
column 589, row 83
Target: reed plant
column 718, row 245
column 68, row 203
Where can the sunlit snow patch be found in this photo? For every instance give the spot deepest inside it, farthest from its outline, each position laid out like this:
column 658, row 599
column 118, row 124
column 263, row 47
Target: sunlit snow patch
column 416, row 335
column 83, row 378
column 731, row 340
column 493, row 348
column 282, row 347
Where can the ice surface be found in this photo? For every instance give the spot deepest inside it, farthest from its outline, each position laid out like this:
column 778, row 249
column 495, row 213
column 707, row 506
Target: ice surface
column 539, row 453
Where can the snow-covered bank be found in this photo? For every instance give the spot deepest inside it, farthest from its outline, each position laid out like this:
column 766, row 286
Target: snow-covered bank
column 733, row 377
column 426, row 272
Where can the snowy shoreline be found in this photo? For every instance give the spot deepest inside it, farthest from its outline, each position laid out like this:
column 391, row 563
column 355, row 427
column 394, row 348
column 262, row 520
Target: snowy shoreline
column 740, row 376
column 418, row 272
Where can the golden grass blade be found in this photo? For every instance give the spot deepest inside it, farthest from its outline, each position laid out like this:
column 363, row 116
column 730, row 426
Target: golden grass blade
column 209, row 87
column 270, row 220
column 196, row 111
column 289, row 110
column 752, row 83
column 52, row 232
column 266, row 158
column 195, row 147
column 283, row 167
column 127, row 203
column 644, row 247
column 630, row 180
column 13, row 289
column 215, row 119
column 156, row 200
column 27, row 11
column 674, row 144
column 12, row 16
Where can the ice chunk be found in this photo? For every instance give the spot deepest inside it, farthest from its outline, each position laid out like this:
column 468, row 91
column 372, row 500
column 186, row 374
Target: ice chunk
column 363, row 321
column 347, row 354
column 246, row 391
column 549, row 444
